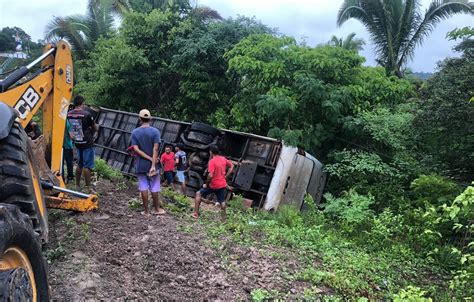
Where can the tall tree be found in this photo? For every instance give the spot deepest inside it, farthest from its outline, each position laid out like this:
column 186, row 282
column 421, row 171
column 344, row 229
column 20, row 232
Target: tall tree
column 179, row 6
column 146, row 6
column 397, row 27
column 82, row 31
column 447, row 115
column 349, row 43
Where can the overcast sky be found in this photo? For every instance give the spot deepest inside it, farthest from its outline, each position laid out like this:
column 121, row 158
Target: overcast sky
column 311, row 20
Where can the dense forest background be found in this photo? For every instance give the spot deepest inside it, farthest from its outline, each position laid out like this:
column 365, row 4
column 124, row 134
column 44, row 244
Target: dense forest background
column 399, row 150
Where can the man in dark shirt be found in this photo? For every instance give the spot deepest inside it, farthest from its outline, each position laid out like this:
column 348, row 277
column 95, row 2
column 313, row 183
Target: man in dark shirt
column 83, row 128
column 180, row 157
column 145, row 143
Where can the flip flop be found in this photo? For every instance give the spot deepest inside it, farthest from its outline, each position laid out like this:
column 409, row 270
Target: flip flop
column 144, row 214
column 195, row 215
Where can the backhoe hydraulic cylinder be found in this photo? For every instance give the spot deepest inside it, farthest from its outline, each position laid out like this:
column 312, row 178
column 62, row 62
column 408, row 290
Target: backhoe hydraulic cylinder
column 49, row 186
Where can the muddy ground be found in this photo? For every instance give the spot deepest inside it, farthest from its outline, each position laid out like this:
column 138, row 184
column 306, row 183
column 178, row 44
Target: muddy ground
column 117, row 253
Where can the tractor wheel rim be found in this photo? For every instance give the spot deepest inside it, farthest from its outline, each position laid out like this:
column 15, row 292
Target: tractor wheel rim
column 13, row 258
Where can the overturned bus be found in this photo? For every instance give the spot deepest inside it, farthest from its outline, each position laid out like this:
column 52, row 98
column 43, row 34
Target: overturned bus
column 267, row 172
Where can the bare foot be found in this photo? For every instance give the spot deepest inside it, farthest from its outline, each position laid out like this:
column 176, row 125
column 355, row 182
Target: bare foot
column 159, row 212
column 195, row 215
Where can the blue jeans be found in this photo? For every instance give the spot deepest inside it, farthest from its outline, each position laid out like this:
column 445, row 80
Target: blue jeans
column 85, row 158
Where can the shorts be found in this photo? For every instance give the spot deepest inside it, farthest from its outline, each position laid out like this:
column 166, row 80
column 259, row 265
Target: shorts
column 146, row 183
column 85, row 158
column 169, row 176
column 220, row 193
column 181, row 177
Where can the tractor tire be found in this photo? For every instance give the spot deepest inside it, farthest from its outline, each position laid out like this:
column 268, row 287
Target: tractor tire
column 19, row 181
column 204, row 128
column 23, row 269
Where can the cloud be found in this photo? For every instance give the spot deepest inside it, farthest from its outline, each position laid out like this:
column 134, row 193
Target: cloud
column 311, row 20
column 315, row 20
column 33, row 15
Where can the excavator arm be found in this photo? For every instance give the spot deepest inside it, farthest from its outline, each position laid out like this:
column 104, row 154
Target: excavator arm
column 50, row 89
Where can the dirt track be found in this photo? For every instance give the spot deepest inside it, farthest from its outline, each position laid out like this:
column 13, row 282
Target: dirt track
column 118, row 253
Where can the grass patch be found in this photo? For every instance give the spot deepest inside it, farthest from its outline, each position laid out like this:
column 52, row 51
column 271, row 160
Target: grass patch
column 329, row 258
column 56, row 253
column 76, row 231
column 105, row 171
column 177, row 203
column 135, row 204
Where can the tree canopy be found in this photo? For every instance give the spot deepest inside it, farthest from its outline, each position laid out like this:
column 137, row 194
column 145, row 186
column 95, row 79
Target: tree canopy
column 398, row 150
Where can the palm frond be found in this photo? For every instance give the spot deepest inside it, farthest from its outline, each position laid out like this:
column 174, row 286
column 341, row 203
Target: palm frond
column 371, row 14
column 396, row 27
column 101, row 18
column 352, row 9
column 117, row 7
column 120, row 7
column 74, row 29
column 335, row 41
column 352, row 43
column 437, row 11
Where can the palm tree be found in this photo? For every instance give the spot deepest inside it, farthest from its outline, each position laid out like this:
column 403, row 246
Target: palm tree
column 83, row 30
column 397, row 27
column 349, row 43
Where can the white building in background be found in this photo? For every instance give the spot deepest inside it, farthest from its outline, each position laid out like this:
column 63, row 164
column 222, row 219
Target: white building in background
column 14, row 55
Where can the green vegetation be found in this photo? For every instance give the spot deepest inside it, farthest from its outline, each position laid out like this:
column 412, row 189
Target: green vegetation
column 355, row 253
column 56, row 253
column 104, row 170
column 176, row 203
column 349, row 42
column 8, row 44
column 135, row 204
column 82, row 31
column 259, row 295
column 397, row 219
column 73, row 231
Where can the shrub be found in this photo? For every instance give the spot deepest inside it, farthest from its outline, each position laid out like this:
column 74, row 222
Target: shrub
column 367, row 173
column 433, row 189
column 351, row 208
column 411, row 294
column 386, row 227
column 288, row 216
column 106, row 171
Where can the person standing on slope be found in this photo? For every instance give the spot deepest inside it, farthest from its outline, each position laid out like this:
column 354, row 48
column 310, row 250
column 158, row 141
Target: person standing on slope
column 82, row 131
column 180, row 157
column 167, row 160
column 146, row 143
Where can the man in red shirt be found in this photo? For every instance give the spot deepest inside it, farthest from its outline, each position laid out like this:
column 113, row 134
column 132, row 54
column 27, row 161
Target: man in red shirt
column 167, row 160
column 216, row 180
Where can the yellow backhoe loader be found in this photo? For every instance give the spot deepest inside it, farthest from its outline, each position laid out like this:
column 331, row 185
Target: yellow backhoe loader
column 30, row 178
